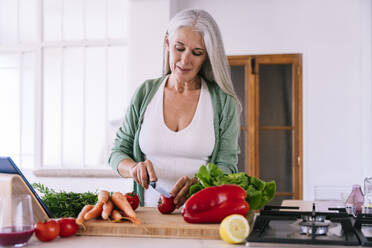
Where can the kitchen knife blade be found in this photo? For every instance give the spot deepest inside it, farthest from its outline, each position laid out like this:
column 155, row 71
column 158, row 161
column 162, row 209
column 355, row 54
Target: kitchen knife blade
column 160, row 189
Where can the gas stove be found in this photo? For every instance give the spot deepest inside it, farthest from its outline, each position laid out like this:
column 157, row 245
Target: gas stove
column 335, row 227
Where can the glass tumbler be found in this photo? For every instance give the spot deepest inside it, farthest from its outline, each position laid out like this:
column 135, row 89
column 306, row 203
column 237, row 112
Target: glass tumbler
column 16, row 220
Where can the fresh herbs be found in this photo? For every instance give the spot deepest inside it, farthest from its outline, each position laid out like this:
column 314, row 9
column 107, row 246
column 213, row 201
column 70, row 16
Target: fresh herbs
column 64, row 204
column 258, row 192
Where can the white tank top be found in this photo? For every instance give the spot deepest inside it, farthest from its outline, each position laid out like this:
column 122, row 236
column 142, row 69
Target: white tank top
column 176, row 154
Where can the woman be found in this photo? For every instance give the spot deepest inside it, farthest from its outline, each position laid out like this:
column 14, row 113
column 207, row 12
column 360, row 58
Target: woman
column 184, row 119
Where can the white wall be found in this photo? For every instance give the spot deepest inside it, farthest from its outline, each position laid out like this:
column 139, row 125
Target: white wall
column 147, row 25
column 334, row 37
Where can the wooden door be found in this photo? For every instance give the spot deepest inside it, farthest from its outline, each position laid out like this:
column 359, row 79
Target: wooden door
column 270, row 90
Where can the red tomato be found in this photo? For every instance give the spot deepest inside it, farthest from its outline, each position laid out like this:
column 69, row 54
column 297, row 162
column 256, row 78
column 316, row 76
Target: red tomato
column 166, row 205
column 47, row 230
column 68, row 227
column 133, row 200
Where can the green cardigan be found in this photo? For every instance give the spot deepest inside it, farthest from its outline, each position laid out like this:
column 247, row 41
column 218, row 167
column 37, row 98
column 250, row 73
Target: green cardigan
column 226, row 129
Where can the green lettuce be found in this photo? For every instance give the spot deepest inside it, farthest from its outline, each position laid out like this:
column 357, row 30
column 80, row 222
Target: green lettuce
column 258, row 191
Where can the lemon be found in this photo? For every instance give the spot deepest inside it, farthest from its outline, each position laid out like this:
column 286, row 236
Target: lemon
column 234, row 229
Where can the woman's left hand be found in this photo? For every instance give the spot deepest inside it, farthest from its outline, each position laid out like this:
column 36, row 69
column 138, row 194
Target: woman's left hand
column 181, row 188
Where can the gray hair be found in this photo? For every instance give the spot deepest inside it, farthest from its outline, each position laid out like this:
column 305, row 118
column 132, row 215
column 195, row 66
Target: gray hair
column 216, row 67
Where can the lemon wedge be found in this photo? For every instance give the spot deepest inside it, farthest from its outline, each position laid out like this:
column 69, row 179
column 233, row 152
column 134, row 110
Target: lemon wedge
column 234, row 229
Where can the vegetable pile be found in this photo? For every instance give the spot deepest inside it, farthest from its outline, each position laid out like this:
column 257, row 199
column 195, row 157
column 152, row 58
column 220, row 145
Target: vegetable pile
column 64, row 204
column 116, row 206
column 86, row 206
column 258, row 192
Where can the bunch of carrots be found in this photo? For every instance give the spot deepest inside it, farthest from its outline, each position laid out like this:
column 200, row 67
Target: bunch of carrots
column 116, row 207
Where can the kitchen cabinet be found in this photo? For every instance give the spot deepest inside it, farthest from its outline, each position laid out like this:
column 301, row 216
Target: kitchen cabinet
column 270, row 90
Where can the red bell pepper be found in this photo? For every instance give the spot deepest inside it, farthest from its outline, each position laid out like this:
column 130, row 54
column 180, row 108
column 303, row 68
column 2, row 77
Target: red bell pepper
column 213, row 204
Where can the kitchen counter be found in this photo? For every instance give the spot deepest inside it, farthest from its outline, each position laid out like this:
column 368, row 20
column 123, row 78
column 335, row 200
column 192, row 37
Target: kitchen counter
column 113, row 242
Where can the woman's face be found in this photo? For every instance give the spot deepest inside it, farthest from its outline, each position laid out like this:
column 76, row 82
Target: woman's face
column 187, row 53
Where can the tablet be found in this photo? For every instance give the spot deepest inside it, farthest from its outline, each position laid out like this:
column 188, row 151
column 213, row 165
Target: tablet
column 9, row 167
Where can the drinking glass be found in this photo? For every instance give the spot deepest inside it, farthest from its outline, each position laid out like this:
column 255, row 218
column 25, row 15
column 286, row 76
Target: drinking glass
column 16, row 220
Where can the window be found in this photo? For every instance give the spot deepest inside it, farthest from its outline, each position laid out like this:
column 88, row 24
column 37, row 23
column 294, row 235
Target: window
column 62, row 80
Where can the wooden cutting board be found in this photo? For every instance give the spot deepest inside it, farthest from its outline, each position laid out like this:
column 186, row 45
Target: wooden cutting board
column 155, row 224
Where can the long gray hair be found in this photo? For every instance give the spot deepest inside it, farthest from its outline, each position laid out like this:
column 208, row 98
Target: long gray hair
column 216, row 67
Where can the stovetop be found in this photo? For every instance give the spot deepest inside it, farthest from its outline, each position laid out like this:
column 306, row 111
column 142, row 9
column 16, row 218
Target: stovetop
column 282, row 225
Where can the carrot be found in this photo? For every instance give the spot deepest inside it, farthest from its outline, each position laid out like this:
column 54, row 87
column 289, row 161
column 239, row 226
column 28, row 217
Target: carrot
column 103, row 196
column 80, row 219
column 107, row 209
column 122, row 203
column 94, row 212
column 116, row 215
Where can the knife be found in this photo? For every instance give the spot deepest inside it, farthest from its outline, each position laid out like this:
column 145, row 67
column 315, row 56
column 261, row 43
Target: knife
column 160, row 189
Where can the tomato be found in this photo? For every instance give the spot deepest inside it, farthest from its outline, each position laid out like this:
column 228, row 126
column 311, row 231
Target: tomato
column 68, row 227
column 166, row 205
column 47, row 230
column 133, row 200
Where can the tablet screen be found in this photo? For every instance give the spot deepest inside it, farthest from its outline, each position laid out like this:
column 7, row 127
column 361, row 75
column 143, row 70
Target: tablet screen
column 8, row 166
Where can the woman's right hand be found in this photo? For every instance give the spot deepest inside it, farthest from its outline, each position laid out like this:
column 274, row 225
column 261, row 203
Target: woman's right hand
column 142, row 172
